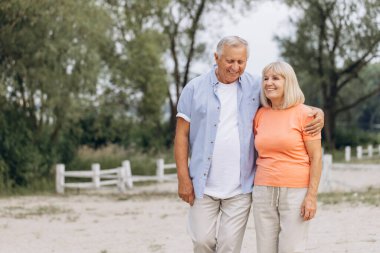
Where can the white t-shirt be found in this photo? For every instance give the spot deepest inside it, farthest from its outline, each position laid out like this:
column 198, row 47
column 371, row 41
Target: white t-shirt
column 224, row 176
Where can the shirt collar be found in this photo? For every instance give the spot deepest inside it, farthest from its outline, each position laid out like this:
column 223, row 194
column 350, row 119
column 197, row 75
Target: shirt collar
column 214, row 79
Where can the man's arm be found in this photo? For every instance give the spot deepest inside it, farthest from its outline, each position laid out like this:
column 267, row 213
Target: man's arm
column 181, row 154
column 315, row 126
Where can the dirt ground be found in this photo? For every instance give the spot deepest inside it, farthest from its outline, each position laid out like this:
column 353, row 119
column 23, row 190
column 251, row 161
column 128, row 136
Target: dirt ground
column 152, row 219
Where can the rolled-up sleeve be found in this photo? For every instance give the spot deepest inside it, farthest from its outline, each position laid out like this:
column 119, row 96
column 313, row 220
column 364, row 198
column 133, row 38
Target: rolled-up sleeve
column 184, row 103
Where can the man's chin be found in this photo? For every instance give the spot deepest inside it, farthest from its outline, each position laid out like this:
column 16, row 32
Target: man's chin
column 233, row 79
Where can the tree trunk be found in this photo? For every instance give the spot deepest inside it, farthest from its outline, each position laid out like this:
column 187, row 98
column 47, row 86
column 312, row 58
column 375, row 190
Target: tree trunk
column 329, row 108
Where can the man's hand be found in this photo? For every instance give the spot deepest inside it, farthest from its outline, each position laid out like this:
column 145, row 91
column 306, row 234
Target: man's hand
column 316, row 125
column 181, row 153
column 186, row 190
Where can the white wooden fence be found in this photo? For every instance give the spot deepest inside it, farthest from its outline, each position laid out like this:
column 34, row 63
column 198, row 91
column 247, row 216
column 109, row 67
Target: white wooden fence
column 324, row 183
column 361, row 153
column 118, row 176
column 121, row 177
column 160, row 173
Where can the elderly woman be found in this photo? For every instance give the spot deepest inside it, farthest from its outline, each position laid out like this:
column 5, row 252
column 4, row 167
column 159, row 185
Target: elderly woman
column 288, row 164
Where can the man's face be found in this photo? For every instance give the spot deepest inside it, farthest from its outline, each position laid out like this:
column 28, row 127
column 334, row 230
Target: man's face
column 231, row 64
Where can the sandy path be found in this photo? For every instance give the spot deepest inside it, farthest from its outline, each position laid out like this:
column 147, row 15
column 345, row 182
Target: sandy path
column 155, row 222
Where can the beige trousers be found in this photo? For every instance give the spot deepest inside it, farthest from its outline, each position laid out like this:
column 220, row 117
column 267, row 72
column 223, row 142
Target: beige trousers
column 279, row 225
column 233, row 215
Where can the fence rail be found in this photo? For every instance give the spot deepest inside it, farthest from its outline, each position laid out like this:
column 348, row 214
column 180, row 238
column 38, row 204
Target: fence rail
column 120, row 177
column 123, row 179
column 361, row 153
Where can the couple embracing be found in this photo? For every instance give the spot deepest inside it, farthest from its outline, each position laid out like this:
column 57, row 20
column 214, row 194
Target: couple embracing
column 251, row 142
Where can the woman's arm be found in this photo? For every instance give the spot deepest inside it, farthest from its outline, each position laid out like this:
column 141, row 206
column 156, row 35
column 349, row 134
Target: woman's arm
column 309, row 205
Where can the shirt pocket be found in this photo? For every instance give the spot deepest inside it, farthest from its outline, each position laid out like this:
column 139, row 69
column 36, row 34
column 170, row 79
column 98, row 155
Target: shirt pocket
column 252, row 107
column 200, row 108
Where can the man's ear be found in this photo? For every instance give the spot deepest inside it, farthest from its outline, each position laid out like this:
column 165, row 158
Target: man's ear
column 216, row 56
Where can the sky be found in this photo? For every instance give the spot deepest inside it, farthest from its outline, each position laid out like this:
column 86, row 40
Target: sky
column 258, row 27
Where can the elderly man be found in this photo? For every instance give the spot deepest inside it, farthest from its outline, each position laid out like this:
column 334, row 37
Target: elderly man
column 214, row 125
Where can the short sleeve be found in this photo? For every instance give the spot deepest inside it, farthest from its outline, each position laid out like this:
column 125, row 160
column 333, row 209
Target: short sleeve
column 185, row 102
column 305, row 110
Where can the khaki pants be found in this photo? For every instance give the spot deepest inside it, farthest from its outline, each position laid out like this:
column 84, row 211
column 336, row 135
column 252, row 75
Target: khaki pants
column 202, row 223
column 279, row 225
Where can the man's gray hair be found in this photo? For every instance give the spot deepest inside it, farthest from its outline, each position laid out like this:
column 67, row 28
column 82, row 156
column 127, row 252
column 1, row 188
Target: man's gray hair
column 231, row 41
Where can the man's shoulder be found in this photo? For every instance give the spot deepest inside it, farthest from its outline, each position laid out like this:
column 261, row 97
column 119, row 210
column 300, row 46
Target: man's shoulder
column 200, row 80
column 205, row 77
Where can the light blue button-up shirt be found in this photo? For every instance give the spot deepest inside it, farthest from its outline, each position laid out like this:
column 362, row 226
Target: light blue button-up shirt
column 199, row 105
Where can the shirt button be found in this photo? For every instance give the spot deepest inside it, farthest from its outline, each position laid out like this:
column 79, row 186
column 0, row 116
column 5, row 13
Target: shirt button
column 205, row 174
column 212, row 142
column 218, row 107
column 209, row 158
column 214, row 125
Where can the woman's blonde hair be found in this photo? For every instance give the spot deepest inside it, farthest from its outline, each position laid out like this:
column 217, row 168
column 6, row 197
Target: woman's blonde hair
column 293, row 94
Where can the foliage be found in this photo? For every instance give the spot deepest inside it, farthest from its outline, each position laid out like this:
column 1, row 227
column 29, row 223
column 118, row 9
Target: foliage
column 135, row 93
column 111, row 156
column 369, row 197
column 333, row 43
column 50, row 57
column 349, row 136
column 366, row 115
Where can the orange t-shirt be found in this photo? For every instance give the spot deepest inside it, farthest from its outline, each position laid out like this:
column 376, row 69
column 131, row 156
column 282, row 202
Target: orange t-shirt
column 280, row 142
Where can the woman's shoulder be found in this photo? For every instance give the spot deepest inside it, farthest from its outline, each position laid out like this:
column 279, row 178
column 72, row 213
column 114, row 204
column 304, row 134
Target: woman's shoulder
column 304, row 113
column 303, row 109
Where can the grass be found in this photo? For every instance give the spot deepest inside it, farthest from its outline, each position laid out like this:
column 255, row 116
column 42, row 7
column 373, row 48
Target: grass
column 369, row 197
column 21, row 212
column 338, row 156
column 146, row 196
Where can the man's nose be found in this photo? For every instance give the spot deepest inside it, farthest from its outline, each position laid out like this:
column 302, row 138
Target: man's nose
column 235, row 66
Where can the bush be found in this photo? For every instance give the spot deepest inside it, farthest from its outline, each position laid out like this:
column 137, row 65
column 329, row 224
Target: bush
column 355, row 137
column 111, row 156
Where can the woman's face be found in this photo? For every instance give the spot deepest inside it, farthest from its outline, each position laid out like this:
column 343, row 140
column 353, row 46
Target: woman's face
column 273, row 86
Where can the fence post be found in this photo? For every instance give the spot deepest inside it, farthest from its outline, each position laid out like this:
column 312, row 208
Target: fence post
column 347, row 153
column 128, row 173
column 160, row 170
column 325, row 177
column 95, row 167
column 359, row 152
column 121, row 180
column 370, row 150
column 60, row 178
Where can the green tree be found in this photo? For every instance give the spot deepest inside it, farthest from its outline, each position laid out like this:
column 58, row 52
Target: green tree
column 50, row 62
column 138, row 76
column 367, row 115
column 173, row 28
column 333, row 42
